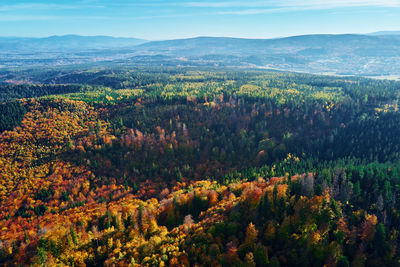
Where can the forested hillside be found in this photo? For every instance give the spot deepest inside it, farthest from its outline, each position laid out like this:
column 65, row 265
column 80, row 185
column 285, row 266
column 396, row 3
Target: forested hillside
column 197, row 167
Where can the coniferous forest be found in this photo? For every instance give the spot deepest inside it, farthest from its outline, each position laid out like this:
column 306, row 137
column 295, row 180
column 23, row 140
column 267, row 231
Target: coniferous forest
column 169, row 166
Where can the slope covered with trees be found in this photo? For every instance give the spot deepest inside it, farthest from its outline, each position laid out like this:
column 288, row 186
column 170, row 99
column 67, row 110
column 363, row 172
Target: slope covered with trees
column 183, row 167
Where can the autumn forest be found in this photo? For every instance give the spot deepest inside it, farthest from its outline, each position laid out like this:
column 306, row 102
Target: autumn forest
column 180, row 166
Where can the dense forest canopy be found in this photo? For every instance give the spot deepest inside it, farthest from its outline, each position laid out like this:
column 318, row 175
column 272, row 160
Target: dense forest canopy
column 197, row 167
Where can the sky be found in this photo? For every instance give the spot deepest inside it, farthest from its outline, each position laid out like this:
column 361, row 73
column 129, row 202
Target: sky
column 172, row 19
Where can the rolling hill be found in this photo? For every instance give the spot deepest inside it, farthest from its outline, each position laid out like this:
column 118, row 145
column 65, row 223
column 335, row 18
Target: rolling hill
column 319, row 45
column 65, row 43
column 377, row 54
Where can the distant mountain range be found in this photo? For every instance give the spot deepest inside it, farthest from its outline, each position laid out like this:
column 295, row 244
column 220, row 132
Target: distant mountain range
column 66, row 43
column 386, row 33
column 372, row 54
column 305, row 45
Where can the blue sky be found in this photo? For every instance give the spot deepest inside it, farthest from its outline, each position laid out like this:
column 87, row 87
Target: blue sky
column 169, row 19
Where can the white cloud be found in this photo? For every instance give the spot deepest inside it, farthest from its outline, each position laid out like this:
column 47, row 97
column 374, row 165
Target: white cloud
column 39, row 6
column 279, row 6
column 259, row 11
column 222, row 4
column 26, row 11
column 26, row 18
column 341, row 3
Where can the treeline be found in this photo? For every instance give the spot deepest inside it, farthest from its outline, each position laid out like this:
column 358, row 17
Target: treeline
column 16, row 91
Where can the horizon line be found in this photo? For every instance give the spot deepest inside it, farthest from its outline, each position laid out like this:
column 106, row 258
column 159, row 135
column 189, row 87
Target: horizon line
column 388, row 32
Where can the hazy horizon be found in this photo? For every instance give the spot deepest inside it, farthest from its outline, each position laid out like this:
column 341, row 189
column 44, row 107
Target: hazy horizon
column 196, row 36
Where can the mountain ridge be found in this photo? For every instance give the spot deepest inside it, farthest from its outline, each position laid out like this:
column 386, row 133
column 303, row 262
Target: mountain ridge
column 343, row 54
column 378, row 33
column 69, row 42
